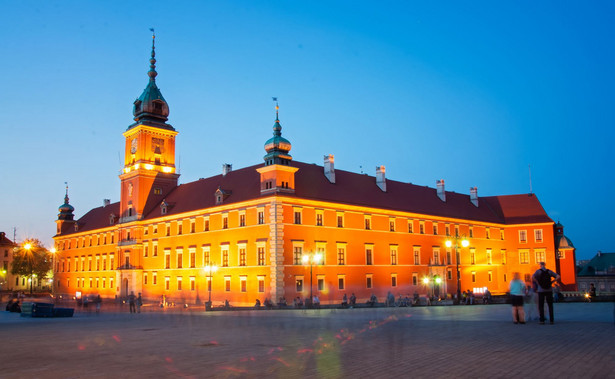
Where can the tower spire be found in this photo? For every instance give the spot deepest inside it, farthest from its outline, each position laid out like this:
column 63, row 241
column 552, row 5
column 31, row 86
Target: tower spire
column 152, row 61
column 277, row 147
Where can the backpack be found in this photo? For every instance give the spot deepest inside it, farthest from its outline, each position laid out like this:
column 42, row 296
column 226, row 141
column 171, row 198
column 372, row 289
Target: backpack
column 544, row 279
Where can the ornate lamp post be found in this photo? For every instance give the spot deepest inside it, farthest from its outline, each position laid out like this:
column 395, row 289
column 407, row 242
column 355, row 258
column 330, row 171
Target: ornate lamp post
column 211, row 267
column 464, row 243
column 311, row 258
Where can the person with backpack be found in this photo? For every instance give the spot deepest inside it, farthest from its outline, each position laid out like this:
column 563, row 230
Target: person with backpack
column 542, row 282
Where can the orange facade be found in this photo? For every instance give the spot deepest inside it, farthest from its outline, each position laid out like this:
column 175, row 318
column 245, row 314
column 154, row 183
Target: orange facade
column 255, row 225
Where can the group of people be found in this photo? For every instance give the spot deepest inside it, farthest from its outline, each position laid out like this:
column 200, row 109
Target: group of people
column 542, row 283
column 135, row 302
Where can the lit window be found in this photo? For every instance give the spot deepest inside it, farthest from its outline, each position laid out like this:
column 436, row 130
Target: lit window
column 368, row 222
column 538, row 235
column 393, row 251
column 242, row 219
column 299, row 284
column 524, row 256
column 369, row 255
column 522, row 236
column 417, row 255
column 297, row 255
column 243, row 283
column 261, row 255
column 319, row 218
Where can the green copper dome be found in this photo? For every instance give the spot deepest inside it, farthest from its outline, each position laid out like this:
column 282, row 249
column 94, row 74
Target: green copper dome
column 277, row 147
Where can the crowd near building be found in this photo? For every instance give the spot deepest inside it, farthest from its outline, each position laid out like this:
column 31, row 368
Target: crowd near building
column 285, row 229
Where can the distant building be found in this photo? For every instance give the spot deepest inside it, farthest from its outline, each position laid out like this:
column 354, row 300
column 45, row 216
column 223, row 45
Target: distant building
column 600, row 270
column 6, row 257
column 256, row 224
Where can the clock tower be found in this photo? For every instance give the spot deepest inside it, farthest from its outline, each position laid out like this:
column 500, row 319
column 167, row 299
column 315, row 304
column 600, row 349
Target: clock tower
column 149, row 171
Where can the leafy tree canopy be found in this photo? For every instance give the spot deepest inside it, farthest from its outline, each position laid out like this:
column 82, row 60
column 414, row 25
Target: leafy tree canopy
column 31, row 258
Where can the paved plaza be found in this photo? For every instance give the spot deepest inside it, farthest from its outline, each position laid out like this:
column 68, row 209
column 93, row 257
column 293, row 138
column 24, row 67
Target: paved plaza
column 477, row 341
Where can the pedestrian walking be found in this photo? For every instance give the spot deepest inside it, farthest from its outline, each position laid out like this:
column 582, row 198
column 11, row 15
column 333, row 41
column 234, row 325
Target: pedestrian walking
column 517, row 291
column 131, row 302
column 543, row 284
column 139, row 303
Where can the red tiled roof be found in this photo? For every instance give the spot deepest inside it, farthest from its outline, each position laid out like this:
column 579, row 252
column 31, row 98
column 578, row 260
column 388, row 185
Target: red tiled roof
column 350, row 188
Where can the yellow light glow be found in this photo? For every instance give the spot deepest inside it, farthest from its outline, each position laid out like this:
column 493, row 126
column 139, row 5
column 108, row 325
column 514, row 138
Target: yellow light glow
column 149, row 166
column 211, row 268
column 305, row 258
column 438, row 280
column 465, row 243
column 52, row 250
column 449, row 243
column 127, row 170
column 136, row 166
column 426, row 280
column 167, row 169
column 27, row 246
column 317, row 257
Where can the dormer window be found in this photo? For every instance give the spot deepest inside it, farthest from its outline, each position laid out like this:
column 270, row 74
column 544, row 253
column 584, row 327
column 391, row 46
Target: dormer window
column 158, row 106
column 137, row 106
column 111, row 219
column 164, row 207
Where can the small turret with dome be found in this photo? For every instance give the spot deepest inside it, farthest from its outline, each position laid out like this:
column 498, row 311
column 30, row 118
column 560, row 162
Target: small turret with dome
column 151, row 108
column 277, row 147
column 66, row 210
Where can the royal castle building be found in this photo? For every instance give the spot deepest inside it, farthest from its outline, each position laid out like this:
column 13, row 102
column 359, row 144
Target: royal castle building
column 283, row 228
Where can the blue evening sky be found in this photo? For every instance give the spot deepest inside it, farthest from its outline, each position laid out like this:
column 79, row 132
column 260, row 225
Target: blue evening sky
column 467, row 91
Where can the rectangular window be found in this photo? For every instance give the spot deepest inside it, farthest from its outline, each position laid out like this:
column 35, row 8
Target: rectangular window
column 487, row 233
column 145, row 249
column 192, row 226
column 368, row 222
column 340, row 220
column 104, row 282
column 449, row 260
column 144, row 278
column 179, row 283
column 341, row 254
column 242, row 219
column 192, row 283
column 192, row 252
column 527, row 278
column 435, row 229
column 422, row 227
column 167, row 258
column 243, row 283
column 180, row 228
column 449, row 274
column 561, row 254
column 502, row 235
column 206, row 255
column 410, row 226
column 471, row 232
column 154, row 278
column 97, row 283
column 261, row 217
column 540, row 256
column 320, row 283
column 155, row 249
column 417, row 255
column 297, row 216
column 206, row 225
column 472, row 256
column 225, row 222
column 369, row 255
column 319, row 218
column 473, row 276
column 242, row 255
column 110, row 282
column 167, row 283
column 393, row 252
column 436, row 256
column 456, row 230
column 168, row 227
column 538, row 235
column 503, row 256
column 524, row 256
column 489, row 258
column 260, row 250
column 297, row 255
column 392, row 225
column 225, row 256
column 522, row 236
column 227, row 283
column 490, row 276
column 368, row 281
column 180, row 258
column 299, row 284
column 261, row 284
column 341, row 282
column 393, row 280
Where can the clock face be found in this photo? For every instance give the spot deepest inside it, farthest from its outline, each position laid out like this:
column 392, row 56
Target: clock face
column 133, row 146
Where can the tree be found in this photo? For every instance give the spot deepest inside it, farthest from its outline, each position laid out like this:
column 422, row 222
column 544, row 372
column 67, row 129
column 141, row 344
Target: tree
column 30, row 259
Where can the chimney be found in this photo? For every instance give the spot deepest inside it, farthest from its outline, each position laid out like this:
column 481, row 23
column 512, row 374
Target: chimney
column 226, row 168
column 441, row 193
column 106, row 202
column 329, row 168
column 380, row 179
column 474, row 196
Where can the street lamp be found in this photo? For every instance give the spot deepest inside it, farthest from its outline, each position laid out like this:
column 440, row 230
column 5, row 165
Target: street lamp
column 311, row 258
column 53, row 270
column 464, row 243
column 28, row 248
column 211, row 267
